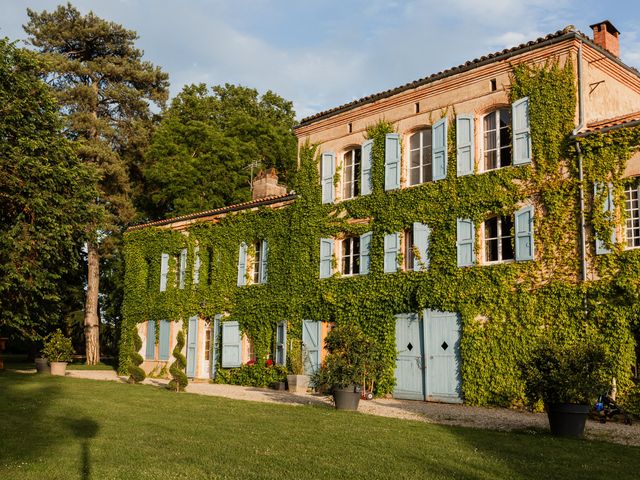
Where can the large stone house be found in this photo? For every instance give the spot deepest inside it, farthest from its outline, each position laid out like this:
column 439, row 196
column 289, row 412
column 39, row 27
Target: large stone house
column 458, row 219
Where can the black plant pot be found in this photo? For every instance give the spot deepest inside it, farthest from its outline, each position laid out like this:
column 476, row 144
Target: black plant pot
column 567, row 419
column 346, row 398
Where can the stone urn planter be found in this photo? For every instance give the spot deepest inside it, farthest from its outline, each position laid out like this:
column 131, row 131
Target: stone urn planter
column 42, row 365
column 298, row 383
column 59, row 368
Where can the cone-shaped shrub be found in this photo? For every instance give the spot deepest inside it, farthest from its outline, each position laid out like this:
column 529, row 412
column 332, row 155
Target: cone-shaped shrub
column 177, row 368
column 136, row 374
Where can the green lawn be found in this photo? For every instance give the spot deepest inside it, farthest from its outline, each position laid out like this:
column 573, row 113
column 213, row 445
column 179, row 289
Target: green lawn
column 71, row 428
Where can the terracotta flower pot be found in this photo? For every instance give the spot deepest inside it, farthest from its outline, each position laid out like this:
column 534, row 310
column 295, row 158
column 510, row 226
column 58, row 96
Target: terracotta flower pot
column 59, row 368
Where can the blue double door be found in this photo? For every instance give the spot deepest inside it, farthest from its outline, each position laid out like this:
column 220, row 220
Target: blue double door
column 428, row 361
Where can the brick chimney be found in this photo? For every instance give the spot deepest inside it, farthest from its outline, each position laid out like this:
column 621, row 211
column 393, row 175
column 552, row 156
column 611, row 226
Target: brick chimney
column 266, row 185
column 605, row 35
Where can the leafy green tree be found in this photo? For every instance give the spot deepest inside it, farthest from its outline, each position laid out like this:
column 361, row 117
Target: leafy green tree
column 200, row 152
column 45, row 191
column 105, row 89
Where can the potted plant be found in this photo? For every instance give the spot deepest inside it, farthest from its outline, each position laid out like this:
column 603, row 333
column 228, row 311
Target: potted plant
column 351, row 361
column 297, row 381
column 566, row 378
column 58, row 350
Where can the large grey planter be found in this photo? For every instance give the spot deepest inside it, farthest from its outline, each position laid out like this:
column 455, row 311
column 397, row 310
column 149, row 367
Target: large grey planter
column 42, row 366
column 298, row 383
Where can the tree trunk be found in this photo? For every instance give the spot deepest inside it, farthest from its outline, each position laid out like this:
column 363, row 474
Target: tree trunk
column 91, row 319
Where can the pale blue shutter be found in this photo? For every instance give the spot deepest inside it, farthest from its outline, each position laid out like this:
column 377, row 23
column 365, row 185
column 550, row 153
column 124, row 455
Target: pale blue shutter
column 326, row 257
column 464, row 145
column 465, row 234
column 196, row 267
column 365, row 244
column 242, row 265
column 439, row 149
column 192, row 346
column 311, row 346
column 391, row 161
column 183, row 267
column 281, row 343
column 391, row 248
column 365, row 184
column 521, row 131
column 150, row 353
column 231, row 345
column 421, row 234
column 164, row 339
column 609, row 209
column 264, row 247
column 328, row 172
column 215, row 345
column 523, row 227
column 164, row 271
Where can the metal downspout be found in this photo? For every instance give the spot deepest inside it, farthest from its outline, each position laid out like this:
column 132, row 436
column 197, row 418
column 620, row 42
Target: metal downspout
column 583, row 242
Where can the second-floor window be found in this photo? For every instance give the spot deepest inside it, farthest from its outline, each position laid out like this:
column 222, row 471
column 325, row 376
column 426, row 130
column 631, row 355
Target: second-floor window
column 351, row 173
column 351, row 256
column 498, row 239
column 420, row 161
column 497, row 139
column 632, row 209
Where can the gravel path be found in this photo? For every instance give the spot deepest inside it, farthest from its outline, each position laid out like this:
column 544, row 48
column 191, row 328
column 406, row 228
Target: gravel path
column 439, row 413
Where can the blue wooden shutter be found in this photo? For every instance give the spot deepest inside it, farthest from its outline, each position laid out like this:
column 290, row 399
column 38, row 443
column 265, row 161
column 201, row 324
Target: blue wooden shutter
column 421, row 234
column 521, row 131
column 391, row 161
column 326, row 257
column 609, row 209
column 192, row 346
column 439, row 149
column 311, row 346
column 466, row 234
column 164, row 339
column 196, row 266
column 264, row 247
column 183, row 267
column 391, row 249
column 231, row 345
column 328, row 172
column 150, row 353
column 242, row 265
column 365, row 245
column 215, row 345
column 164, row 271
column 523, row 227
column 365, row 184
column 465, row 154
column 281, row 343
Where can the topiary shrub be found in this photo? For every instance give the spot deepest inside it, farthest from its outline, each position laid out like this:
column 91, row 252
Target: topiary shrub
column 177, row 368
column 136, row 374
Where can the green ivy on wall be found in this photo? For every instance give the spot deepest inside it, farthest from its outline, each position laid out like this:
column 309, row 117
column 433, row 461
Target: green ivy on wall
column 505, row 308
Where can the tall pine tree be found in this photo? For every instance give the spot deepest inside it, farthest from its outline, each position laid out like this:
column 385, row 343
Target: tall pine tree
column 105, row 89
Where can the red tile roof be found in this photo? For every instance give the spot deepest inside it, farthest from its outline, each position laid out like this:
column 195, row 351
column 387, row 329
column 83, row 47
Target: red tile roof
column 218, row 211
column 560, row 35
column 628, row 120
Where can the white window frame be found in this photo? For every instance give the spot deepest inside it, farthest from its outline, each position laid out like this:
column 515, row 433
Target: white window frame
column 425, row 159
column 407, row 250
column 351, row 187
column 256, row 268
column 632, row 213
column 353, row 256
column 499, row 239
column 496, row 133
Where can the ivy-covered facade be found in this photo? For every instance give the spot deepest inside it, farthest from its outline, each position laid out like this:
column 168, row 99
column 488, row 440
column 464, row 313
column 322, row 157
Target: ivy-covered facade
column 455, row 219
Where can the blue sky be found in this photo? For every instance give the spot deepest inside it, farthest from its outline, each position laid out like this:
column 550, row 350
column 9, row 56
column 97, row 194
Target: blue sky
column 324, row 53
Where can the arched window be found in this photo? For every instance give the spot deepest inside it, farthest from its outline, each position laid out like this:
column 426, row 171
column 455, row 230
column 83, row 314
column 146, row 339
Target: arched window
column 420, row 163
column 497, row 139
column 351, row 173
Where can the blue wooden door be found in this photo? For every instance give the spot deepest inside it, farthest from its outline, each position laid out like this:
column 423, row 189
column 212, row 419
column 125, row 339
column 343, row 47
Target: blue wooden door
column 192, row 346
column 410, row 360
column 442, row 334
column 311, row 346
